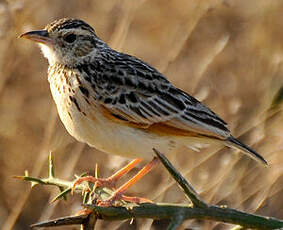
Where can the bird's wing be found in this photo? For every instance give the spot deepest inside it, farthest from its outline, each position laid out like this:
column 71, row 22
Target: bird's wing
column 134, row 92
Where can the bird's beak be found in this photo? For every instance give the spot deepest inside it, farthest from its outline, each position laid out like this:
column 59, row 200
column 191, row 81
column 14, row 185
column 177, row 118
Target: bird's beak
column 40, row 36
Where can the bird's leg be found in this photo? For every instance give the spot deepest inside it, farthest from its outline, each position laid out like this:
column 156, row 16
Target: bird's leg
column 109, row 182
column 119, row 193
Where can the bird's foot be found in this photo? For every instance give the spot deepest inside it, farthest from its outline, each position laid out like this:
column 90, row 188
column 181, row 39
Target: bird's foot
column 109, row 182
column 84, row 212
column 119, row 193
column 118, row 196
column 97, row 182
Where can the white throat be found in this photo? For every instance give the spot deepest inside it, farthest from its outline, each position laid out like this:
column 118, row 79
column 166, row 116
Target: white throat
column 49, row 54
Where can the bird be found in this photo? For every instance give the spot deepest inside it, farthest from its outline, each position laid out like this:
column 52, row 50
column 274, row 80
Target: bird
column 121, row 105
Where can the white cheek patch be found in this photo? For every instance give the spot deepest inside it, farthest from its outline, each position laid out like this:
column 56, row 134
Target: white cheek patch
column 48, row 53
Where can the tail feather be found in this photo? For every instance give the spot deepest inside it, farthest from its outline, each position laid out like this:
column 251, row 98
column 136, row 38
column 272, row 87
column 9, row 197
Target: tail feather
column 233, row 142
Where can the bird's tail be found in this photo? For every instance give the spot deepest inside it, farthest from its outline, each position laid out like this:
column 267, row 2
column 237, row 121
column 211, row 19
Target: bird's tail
column 233, row 142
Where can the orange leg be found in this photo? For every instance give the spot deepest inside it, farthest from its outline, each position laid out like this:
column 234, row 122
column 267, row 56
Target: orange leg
column 110, row 181
column 125, row 169
column 119, row 193
column 84, row 212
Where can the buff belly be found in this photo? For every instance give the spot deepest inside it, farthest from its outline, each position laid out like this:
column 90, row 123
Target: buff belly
column 117, row 139
column 92, row 128
column 88, row 125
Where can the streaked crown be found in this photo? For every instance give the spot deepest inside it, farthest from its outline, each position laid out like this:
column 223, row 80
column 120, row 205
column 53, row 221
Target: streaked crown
column 67, row 41
column 67, row 24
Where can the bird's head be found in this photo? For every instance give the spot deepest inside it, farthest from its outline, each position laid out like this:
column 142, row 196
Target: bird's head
column 66, row 41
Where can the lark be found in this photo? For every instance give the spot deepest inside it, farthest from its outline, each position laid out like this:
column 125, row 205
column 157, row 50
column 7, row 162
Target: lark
column 121, row 105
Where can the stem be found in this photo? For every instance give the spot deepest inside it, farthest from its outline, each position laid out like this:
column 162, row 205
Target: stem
column 184, row 184
column 171, row 211
column 177, row 213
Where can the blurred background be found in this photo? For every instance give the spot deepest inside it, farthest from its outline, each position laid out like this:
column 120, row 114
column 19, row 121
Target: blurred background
column 228, row 54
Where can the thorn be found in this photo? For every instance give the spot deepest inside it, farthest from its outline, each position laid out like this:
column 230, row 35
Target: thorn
column 96, row 171
column 33, row 184
column 72, row 190
column 62, row 190
column 67, row 220
column 51, row 166
column 26, row 178
column 19, row 177
column 86, row 196
column 61, row 195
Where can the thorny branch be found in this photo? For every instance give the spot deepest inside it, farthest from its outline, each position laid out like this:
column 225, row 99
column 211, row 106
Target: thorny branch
column 177, row 213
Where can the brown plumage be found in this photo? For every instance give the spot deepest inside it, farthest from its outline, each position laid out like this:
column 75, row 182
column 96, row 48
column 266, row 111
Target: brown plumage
column 118, row 103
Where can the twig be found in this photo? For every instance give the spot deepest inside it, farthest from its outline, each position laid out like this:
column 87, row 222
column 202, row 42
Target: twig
column 89, row 222
column 171, row 211
column 177, row 213
column 184, row 184
column 67, row 220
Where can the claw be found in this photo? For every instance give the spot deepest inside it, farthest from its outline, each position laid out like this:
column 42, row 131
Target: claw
column 108, row 182
column 84, row 212
column 81, row 180
column 111, row 181
column 117, row 196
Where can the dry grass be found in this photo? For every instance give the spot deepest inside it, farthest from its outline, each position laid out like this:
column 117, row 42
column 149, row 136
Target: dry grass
column 228, row 54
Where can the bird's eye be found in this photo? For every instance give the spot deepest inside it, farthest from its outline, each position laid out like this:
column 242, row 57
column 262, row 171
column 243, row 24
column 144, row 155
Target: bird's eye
column 70, row 38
